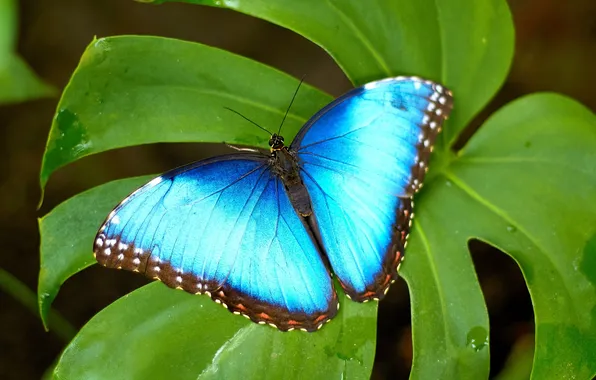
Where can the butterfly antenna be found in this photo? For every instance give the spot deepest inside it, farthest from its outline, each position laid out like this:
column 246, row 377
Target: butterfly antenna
column 247, row 119
column 291, row 102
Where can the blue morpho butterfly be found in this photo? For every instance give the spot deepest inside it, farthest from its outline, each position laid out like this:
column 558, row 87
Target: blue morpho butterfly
column 260, row 234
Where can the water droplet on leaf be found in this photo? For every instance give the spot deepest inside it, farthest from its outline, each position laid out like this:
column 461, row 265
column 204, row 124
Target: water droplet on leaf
column 477, row 338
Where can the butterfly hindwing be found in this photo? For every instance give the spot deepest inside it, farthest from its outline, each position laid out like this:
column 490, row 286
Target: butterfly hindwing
column 362, row 158
column 224, row 227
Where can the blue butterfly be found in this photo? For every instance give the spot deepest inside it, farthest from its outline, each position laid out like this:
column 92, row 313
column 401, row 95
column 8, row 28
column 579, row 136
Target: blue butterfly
column 260, row 234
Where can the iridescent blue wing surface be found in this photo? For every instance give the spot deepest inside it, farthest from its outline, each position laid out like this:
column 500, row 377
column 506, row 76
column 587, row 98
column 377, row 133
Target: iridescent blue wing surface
column 362, row 158
column 224, row 227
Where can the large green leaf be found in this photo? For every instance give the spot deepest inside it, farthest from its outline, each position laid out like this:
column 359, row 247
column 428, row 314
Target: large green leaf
column 157, row 333
column 449, row 317
column 466, row 45
column 69, row 229
column 17, row 81
column 133, row 90
column 531, row 170
column 527, row 184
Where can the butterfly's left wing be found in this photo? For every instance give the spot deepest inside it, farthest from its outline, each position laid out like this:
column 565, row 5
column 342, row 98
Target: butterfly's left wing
column 362, row 158
column 224, row 227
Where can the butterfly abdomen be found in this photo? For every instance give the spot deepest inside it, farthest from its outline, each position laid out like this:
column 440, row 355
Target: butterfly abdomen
column 299, row 198
column 285, row 165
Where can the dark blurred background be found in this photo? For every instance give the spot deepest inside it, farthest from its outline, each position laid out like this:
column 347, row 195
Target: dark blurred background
column 555, row 51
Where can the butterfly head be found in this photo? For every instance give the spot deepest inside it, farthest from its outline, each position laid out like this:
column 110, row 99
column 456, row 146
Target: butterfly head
column 276, row 142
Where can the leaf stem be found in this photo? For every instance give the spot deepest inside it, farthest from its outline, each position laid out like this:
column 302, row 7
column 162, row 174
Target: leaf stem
column 21, row 292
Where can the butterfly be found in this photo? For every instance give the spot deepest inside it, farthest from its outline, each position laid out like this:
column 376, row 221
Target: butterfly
column 262, row 234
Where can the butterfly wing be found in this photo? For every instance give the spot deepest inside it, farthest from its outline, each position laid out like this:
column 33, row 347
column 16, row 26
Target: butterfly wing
column 224, row 227
column 362, row 158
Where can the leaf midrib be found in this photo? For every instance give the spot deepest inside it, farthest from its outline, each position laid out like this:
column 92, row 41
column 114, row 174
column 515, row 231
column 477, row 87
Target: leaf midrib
column 226, row 95
column 442, row 298
column 365, row 42
column 504, row 160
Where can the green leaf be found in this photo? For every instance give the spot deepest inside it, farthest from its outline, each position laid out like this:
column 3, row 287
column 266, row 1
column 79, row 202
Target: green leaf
column 8, row 28
column 531, row 170
column 448, row 311
column 466, row 45
column 17, row 81
column 172, row 334
column 67, row 234
column 129, row 90
column 526, row 184
column 133, row 90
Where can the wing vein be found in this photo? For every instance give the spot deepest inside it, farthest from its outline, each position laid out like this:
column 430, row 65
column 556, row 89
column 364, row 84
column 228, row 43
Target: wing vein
column 236, row 223
column 326, row 197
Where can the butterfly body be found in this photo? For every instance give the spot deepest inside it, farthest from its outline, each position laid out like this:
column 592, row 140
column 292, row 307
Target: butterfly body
column 261, row 234
column 284, row 164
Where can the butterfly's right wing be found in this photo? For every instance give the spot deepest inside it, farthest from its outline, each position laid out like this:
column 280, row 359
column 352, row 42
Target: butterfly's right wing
column 362, row 159
column 224, row 227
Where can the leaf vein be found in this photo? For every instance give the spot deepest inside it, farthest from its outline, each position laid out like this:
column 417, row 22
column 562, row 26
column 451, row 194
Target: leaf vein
column 503, row 215
column 362, row 37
